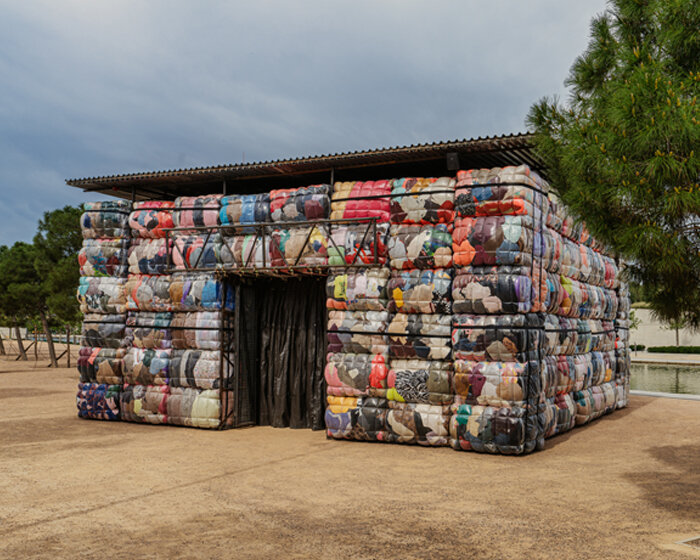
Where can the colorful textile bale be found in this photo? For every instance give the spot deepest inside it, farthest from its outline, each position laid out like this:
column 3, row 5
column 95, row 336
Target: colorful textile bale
column 301, row 204
column 423, row 247
column 148, row 330
column 104, row 257
column 105, row 219
column 102, row 294
column 420, row 336
column 358, row 244
column 98, row 401
column 197, row 211
column 361, row 289
column 148, row 256
column 420, row 291
column 103, row 331
column 150, row 219
column 101, row 365
column 422, row 200
column 245, row 209
column 361, row 199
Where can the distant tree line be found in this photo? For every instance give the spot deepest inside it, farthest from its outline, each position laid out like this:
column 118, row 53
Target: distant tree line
column 38, row 280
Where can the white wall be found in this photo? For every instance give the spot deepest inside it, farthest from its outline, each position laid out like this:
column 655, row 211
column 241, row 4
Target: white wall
column 652, row 333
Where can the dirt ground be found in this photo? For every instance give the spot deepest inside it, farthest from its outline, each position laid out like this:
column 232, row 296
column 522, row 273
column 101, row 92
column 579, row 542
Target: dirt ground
column 626, row 486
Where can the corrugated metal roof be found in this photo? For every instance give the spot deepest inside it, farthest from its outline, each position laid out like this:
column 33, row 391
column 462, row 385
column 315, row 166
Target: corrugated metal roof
column 511, row 149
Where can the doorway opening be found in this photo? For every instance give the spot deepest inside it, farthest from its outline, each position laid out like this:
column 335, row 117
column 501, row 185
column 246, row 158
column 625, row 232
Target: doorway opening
column 279, row 352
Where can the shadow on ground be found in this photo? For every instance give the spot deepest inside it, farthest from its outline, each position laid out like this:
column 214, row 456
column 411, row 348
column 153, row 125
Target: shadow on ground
column 675, row 488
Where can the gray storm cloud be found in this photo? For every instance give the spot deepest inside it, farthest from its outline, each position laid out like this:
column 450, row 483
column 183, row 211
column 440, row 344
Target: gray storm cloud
column 95, row 88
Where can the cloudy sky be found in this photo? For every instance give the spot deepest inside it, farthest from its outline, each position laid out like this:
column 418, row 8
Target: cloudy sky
column 96, row 88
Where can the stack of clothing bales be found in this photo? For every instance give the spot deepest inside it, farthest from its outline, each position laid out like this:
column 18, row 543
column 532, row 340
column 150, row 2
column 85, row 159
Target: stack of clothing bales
column 364, row 240
column 357, row 363
column 419, row 384
column 498, row 326
column 171, row 368
column 622, row 346
column 103, row 268
column 581, row 302
column 245, row 247
column 193, row 248
column 302, row 246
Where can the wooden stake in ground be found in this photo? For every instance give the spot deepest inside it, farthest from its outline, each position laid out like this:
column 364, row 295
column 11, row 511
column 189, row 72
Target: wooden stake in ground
column 2, row 347
column 68, row 345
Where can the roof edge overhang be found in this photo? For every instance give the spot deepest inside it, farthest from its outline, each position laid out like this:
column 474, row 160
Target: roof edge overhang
column 496, row 151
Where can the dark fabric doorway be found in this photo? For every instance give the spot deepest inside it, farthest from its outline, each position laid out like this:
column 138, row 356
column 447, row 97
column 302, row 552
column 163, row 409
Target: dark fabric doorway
column 281, row 350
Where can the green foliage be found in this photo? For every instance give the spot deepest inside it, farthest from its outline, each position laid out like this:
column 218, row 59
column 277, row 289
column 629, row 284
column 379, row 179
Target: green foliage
column 634, row 320
column 20, row 287
column 622, row 154
column 43, row 275
column 57, row 241
column 638, row 347
column 674, row 349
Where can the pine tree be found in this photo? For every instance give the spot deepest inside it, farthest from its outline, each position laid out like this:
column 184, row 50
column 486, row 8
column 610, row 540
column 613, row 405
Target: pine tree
column 623, row 152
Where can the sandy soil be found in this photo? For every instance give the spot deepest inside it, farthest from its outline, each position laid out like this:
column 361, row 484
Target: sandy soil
column 627, row 486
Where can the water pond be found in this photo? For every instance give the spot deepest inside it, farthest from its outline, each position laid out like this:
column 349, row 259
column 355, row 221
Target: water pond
column 666, row 378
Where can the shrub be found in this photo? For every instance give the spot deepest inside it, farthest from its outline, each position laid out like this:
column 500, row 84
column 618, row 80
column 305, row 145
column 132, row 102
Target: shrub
column 675, row 349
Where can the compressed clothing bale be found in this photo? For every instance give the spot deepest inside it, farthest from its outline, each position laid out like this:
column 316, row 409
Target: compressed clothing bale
column 566, row 412
column 424, row 247
column 420, row 381
column 378, row 419
column 497, row 384
column 196, row 408
column 500, row 191
column 101, row 365
column 361, row 199
column 148, row 330
column 498, row 338
column 98, row 401
column 105, row 219
column 197, row 211
column 358, row 332
column 338, row 416
column 196, row 368
column 104, row 257
column 593, row 402
column 102, row 294
column 356, row 374
column 245, row 209
column 245, row 251
column 198, row 329
column 196, row 251
column 148, row 293
column 144, row 403
column 494, row 240
column 358, row 244
column 420, row 336
column 301, row 204
column 150, row 219
column 488, row 429
column 103, row 330
column 561, row 335
column 199, row 292
column 361, row 289
column 149, row 256
column 146, row 366
column 496, row 289
column 307, row 246
column 422, row 200
column 420, row 291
